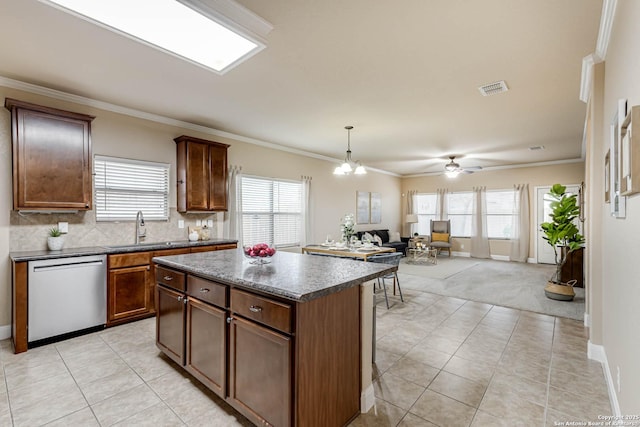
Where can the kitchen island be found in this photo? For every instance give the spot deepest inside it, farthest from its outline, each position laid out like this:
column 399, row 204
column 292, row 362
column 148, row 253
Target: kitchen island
column 286, row 343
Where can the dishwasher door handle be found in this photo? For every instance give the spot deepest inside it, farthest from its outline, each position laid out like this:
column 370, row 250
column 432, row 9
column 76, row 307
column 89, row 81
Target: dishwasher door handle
column 66, row 265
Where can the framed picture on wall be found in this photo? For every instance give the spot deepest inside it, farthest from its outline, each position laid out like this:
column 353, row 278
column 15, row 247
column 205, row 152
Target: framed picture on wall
column 376, row 208
column 362, row 207
column 617, row 202
column 607, row 176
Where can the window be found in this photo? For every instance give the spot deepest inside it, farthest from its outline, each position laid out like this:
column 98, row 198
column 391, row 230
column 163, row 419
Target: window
column 271, row 212
column 425, row 207
column 460, row 212
column 123, row 187
column 500, row 211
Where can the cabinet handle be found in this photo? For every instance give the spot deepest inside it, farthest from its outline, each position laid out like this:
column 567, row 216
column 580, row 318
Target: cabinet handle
column 180, row 298
column 204, row 290
column 168, row 278
column 255, row 308
column 229, row 319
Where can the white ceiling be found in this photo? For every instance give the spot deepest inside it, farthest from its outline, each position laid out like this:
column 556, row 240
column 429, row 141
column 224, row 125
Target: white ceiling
column 404, row 74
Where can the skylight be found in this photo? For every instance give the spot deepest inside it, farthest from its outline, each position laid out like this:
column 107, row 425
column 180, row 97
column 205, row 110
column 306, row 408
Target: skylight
column 170, row 26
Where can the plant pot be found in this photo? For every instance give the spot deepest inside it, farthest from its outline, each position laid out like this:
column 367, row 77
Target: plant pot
column 55, row 243
column 559, row 292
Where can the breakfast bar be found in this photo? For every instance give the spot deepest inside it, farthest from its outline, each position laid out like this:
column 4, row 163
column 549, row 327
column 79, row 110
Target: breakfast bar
column 286, row 343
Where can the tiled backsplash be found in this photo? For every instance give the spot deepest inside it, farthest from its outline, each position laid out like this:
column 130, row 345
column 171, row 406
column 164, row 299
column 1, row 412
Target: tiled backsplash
column 29, row 231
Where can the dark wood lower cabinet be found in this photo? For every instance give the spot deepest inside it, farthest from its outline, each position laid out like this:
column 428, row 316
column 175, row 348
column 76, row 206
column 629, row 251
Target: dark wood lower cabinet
column 170, row 310
column 206, row 345
column 129, row 293
column 260, row 373
column 278, row 362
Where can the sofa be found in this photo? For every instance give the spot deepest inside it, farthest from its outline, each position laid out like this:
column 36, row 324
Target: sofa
column 399, row 246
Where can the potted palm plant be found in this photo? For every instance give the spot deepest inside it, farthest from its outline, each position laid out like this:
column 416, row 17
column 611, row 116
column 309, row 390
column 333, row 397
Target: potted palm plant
column 563, row 235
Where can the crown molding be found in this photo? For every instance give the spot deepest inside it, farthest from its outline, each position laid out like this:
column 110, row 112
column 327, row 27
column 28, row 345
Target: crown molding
column 106, row 106
column 606, row 25
column 602, row 44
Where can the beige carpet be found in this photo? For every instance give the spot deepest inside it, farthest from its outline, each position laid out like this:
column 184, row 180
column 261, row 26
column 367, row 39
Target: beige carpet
column 503, row 283
column 445, row 268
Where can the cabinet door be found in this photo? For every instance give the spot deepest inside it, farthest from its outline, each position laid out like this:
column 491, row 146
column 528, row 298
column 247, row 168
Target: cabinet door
column 206, row 345
column 128, row 295
column 51, row 158
column 218, row 178
column 197, row 177
column 260, row 373
column 170, row 323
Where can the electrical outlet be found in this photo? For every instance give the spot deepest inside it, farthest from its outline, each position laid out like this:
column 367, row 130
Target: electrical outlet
column 63, row 227
column 209, row 223
column 618, row 377
column 181, row 223
column 461, row 246
column 198, row 223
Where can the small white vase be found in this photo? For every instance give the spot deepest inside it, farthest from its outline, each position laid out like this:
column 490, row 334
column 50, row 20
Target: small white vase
column 55, row 243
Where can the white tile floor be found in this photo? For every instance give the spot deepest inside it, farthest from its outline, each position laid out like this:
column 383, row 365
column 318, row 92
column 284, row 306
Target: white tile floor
column 440, row 362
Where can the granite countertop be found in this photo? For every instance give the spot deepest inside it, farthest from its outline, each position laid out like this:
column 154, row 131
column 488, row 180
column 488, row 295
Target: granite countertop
column 292, row 276
column 112, row 249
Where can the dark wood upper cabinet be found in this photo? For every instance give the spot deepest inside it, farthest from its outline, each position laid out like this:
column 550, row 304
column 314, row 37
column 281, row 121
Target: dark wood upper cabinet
column 202, row 174
column 51, row 158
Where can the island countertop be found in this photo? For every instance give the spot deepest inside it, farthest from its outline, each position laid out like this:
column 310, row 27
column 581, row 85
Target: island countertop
column 292, row 276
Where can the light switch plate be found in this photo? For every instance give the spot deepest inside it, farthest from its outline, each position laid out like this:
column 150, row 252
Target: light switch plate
column 209, row 223
column 63, row 227
column 181, row 223
column 198, row 223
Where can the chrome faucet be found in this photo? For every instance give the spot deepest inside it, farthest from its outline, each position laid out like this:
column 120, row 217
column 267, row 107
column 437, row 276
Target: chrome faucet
column 140, row 230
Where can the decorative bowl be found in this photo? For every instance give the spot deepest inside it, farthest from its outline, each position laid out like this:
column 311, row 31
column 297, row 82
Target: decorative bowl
column 259, row 254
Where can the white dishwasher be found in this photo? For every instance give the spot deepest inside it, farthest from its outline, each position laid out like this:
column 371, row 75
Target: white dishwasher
column 66, row 295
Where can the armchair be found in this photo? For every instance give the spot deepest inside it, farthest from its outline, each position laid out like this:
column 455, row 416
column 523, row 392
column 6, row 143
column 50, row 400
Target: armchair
column 441, row 235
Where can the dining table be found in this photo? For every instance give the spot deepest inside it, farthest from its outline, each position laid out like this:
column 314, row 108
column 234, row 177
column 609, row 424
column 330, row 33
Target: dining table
column 360, row 252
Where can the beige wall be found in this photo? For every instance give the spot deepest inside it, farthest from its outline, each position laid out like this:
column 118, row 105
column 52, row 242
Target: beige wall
column 620, row 316
column 124, row 136
column 570, row 173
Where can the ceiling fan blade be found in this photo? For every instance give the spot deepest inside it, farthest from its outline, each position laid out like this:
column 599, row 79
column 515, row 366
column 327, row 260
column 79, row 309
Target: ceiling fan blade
column 474, row 168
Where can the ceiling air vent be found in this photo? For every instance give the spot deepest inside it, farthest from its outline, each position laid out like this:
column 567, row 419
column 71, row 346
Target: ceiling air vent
column 493, row 88
column 536, row 148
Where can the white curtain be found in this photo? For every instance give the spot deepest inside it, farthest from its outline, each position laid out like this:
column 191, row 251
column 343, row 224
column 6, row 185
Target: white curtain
column 307, row 234
column 479, row 236
column 411, row 203
column 232, row 228
column 520, row 225
column 442, row 204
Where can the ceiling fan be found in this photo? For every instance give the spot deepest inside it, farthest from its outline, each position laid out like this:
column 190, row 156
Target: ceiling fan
column 452, row 169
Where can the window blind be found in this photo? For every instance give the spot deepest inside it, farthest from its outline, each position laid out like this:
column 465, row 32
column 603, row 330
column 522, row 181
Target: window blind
column 271, row 212
column 124, row 186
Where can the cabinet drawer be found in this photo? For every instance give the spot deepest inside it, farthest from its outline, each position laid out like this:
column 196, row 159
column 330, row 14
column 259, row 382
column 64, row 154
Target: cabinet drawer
column 210, row 248
column 129, row 260
column 269, row 312
column 205, row 290
column 170, row 278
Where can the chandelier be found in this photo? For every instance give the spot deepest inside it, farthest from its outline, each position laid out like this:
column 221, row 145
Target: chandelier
column 349, row 166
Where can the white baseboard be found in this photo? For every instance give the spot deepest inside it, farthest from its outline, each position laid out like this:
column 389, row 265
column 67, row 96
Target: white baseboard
column 587, row 320
column 5, row 332
column 532, row 260
column 597, row 353
column 468, row 255
column 461, row 254
column 367, row 399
